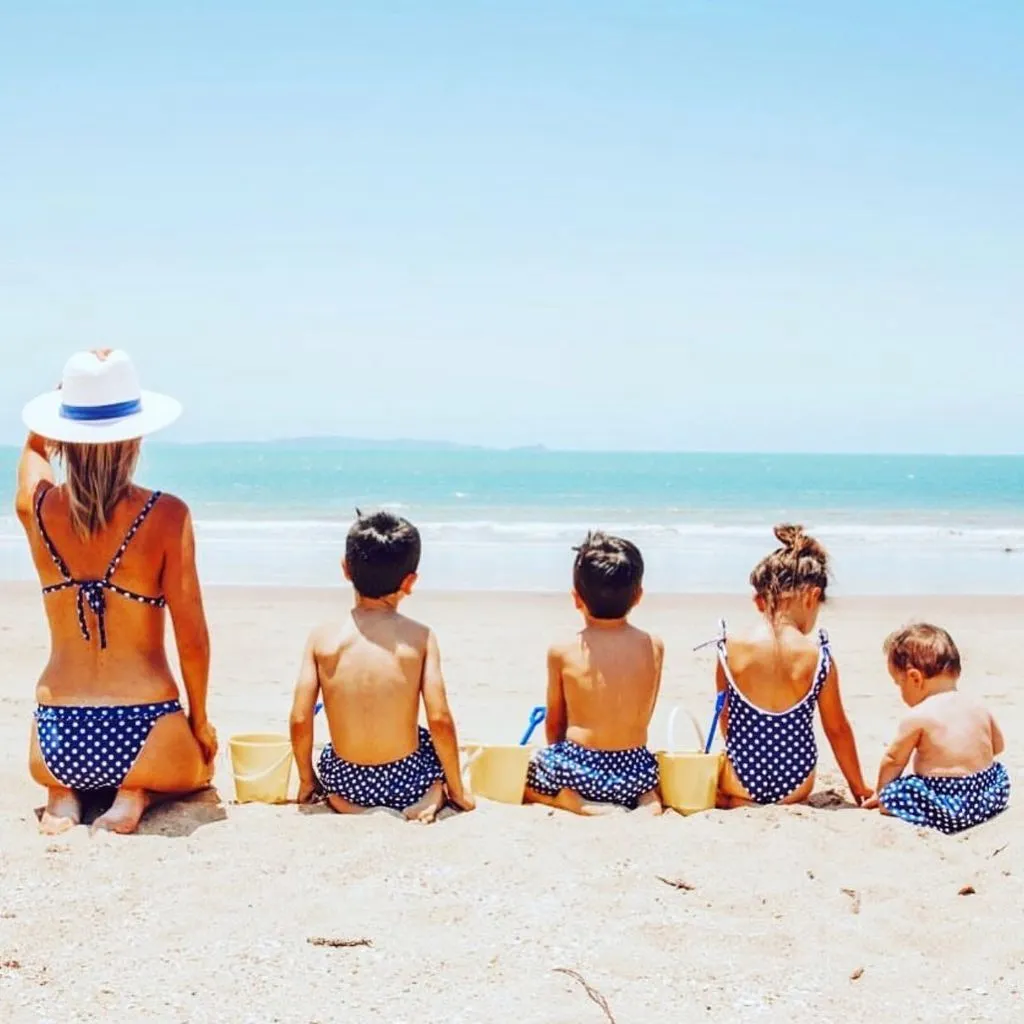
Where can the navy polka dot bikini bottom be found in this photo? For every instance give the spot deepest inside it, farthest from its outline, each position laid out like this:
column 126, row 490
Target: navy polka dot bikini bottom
column 603, row 776
column 396, row 784
column 948, row 803
column 95, row 747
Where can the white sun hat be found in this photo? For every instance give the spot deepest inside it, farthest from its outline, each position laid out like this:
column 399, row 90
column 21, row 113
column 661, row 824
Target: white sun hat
column 99, row 402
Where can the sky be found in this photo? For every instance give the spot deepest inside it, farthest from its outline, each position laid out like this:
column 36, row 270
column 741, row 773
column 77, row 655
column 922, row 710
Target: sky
column 686, row 225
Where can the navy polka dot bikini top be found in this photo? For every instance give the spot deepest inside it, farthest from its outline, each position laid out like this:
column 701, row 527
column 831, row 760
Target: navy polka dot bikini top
column 773, row 753
column 93, row 592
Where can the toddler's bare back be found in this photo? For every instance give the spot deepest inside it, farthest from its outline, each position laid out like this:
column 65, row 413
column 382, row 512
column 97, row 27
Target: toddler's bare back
column 956, row 735
column 610, row 677
column 370, row 669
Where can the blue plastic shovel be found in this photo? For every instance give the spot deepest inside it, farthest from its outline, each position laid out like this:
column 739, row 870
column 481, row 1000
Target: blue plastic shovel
column 719, row 705
column 537, row 715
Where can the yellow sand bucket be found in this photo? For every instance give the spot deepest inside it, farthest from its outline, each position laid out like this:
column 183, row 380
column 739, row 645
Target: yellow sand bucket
column 497, row 772
column 262, row 766
column 689, row 779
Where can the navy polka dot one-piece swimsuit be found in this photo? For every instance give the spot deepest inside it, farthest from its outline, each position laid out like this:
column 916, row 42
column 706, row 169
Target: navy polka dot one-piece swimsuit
column 94, row 747
column 773, row 753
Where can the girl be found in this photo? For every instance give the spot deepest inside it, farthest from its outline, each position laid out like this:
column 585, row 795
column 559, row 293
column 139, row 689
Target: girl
column 772, row 679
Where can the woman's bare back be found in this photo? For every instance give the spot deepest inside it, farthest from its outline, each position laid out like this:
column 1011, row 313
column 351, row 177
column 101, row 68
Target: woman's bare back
column 133, row 667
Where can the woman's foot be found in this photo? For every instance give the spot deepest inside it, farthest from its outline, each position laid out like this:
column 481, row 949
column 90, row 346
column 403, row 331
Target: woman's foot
column 63, row 811
column 125, row 813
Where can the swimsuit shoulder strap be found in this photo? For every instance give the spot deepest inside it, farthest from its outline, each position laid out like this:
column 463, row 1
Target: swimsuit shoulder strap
column 721, row 646
column 59, row 562
column 130, row 535
column 824, row 666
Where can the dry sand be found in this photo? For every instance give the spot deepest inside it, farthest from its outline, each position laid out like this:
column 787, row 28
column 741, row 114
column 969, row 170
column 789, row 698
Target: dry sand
column 805, row 914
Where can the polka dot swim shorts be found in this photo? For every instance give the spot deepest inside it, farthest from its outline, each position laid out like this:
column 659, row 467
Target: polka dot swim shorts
column 947, row 803
column 397, row 784
column 95, row 747
column 603, row 776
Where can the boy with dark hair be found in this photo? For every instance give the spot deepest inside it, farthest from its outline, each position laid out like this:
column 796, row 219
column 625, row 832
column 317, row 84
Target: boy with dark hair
column 373, row 670
column 602, row 688
column 953, row 738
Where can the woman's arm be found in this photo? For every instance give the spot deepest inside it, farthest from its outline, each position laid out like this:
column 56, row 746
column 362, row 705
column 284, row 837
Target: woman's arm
column 556, row 722
column 185, row 601
column 840, row 736
column 33, row 469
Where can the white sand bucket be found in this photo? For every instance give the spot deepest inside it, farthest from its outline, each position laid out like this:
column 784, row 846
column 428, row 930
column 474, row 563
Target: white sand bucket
column 689, row 779
column 497, row 772
column 262, row 766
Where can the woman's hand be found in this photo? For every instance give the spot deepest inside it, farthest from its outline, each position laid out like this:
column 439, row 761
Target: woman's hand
column 206, row 737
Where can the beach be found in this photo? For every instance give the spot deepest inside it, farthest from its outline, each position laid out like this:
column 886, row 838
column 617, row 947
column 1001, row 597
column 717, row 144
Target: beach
column 812, row 913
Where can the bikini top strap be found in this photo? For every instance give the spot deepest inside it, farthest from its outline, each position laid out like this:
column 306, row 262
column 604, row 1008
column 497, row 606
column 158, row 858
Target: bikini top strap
column 130, row 535
column 62, row 566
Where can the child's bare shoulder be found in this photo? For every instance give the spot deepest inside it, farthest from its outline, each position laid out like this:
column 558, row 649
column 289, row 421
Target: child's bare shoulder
column 562, row 649
column 326, row 636
column 759, row 645
column 415, row 634
column 642, row 638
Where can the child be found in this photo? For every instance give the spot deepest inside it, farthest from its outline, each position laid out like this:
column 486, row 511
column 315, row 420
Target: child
column 774, row 677
column 957, row 781
column 373, row 668
column 602, row 687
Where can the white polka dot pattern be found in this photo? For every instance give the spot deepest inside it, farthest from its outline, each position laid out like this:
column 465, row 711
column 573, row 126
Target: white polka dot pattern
column 396, row 784
column 603, row 776
column 92, row 593
column 947, row 803
column 95, row 747
column 773, row 753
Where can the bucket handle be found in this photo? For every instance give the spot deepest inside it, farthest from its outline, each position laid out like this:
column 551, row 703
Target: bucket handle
column 467, row 761
column 670, row 731
column 257, row 776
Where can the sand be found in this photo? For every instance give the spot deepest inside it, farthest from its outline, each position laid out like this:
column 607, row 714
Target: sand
column 804, row 914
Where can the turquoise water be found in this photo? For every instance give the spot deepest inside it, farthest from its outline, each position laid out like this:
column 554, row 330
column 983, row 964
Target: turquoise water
column 278, row 513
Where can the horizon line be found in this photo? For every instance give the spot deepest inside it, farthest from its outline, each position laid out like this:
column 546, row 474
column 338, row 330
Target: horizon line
column 408, row 445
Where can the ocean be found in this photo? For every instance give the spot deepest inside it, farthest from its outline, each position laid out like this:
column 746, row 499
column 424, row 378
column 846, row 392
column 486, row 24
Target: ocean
column 277, row 513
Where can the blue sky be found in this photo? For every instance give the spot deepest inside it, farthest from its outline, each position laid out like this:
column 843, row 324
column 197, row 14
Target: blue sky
column 711, row 225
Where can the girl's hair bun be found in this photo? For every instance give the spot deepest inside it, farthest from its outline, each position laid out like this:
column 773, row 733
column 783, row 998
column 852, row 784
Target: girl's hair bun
column 793, row 539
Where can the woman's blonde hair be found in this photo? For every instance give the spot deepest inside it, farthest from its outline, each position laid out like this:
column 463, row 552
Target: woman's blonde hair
column 97, row 477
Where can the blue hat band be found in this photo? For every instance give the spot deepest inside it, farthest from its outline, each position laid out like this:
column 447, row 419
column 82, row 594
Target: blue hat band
column 92, row 413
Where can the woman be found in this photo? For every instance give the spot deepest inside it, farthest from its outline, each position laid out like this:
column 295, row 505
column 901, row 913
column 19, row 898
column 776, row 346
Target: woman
column 110, row 557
